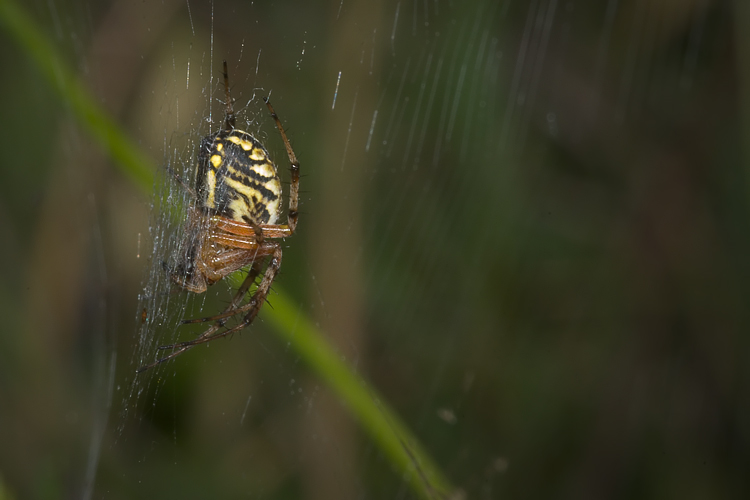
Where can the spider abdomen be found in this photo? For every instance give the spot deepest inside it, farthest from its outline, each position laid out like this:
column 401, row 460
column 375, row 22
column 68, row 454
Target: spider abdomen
column 236, row 178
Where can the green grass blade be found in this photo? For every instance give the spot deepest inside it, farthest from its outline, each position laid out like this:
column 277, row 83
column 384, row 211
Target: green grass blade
column 376, row 418
column 129, row 159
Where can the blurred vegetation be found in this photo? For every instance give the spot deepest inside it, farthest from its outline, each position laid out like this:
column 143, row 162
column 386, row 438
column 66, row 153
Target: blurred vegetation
column 525, row 223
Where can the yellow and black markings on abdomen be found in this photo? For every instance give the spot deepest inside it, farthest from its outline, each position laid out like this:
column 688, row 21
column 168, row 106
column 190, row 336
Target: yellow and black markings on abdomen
column 236, row 178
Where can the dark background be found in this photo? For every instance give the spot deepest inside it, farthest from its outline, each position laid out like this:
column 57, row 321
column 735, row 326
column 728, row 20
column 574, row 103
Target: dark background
column 525, row 223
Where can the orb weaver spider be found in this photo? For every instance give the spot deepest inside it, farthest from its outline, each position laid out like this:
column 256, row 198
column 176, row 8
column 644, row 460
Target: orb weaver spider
column 237, row 203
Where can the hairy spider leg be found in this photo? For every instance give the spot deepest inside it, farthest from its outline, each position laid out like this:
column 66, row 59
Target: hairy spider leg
column 229, row 121
column 237, row 299
column 253, row 308
column 233, row 309
column 242, row 229
column 293, row 215
column 229, row 311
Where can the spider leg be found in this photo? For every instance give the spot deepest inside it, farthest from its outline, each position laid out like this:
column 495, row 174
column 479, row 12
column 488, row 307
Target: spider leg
column 229, row 121
column 162, row 360
column 260, row 232
column 228, row 240
column 231, row 309
column 236, row 234
column 253, row 307
column 246, row 249
column 293, row 214
column 182, row 182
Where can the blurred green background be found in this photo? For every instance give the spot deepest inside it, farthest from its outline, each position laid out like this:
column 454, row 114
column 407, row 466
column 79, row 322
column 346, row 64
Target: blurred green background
column 523, row 223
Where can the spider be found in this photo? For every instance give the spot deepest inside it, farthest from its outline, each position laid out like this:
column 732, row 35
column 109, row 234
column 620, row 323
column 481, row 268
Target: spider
column 237, row 204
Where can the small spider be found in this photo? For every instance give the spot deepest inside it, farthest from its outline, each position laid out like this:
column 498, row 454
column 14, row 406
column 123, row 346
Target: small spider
column 237, row 203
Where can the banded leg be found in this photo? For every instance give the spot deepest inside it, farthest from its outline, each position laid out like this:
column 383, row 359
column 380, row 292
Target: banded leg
column 229, row 311
column 233, row 308
column 253, row 307
column 229, row 121
column 261, row 232
column 293, row 214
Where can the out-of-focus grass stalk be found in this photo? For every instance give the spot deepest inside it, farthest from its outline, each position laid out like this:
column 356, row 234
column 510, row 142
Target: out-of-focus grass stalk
column 132, row 162
column 366, row 406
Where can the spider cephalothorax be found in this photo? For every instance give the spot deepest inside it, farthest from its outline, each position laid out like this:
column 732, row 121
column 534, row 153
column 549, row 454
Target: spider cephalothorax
column 232, row 224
